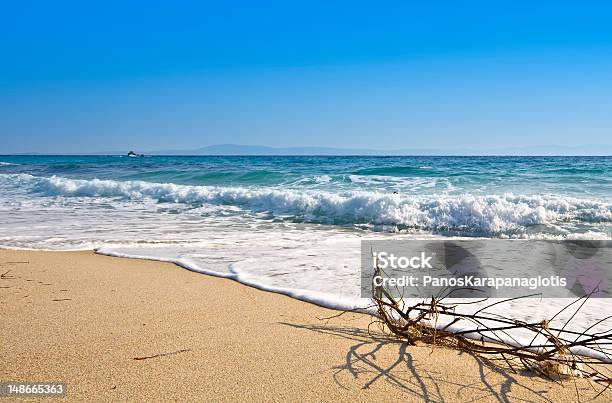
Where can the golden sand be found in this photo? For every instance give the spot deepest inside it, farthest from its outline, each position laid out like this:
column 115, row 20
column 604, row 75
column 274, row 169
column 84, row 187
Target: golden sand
column 131, row 329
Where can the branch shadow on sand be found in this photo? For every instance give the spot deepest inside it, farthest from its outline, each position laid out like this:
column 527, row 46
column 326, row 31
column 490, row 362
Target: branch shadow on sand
column 375, row 358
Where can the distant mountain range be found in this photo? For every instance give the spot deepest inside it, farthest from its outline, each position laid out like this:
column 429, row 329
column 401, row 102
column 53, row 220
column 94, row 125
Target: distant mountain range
column 236, row 149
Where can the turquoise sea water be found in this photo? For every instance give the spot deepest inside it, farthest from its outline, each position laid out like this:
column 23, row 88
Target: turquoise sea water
column 578, row 176
column 471, row 196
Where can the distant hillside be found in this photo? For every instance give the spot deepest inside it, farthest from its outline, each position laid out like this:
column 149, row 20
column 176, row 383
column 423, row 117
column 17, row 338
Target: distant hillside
column 236, row 149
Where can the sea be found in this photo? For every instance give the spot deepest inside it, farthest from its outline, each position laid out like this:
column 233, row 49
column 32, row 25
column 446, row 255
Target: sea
column 293, row 224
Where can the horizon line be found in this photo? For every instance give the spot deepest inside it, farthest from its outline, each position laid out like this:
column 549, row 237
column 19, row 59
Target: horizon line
column 35, row 154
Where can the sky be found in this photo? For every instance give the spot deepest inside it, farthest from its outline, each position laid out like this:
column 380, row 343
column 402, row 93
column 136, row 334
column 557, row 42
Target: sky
column 96, row 76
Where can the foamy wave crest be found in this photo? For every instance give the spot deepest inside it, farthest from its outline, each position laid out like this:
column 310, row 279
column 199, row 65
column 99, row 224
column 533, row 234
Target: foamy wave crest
column 2, row 164
column 493, row 214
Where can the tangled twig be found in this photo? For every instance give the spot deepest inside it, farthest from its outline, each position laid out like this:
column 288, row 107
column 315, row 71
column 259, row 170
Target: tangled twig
column 554, row 353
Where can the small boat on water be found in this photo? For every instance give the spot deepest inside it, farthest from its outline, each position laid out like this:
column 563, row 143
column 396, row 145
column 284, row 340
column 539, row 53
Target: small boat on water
column 133, row 154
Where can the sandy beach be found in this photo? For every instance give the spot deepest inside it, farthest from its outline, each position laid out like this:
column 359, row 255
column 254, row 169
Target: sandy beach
column 120, row 329
column 315, row 201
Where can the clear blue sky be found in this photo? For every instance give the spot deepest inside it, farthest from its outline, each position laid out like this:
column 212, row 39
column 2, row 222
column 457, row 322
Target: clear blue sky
column 77, row 77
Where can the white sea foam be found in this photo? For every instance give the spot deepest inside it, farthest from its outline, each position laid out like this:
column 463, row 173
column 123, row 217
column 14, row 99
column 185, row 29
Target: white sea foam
column 323, row 179
column 507, row 214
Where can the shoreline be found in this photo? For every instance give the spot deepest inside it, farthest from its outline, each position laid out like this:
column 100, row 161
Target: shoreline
column 121, row 328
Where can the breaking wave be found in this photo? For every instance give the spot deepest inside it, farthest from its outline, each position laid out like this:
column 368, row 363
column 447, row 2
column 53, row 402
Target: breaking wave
column 475, row 214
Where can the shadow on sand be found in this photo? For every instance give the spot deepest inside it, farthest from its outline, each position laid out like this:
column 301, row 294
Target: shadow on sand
column 365, row 366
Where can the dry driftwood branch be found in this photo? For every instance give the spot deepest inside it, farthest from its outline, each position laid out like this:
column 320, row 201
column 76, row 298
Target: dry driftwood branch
column 552, row 353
